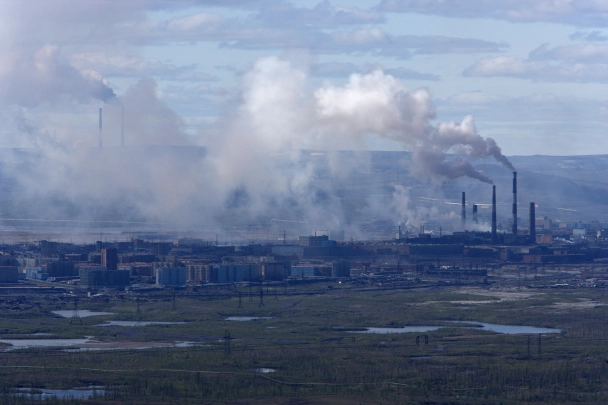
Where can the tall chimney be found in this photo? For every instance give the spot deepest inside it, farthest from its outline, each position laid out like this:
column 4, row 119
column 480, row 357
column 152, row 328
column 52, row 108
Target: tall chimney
column 494, row 236
column 533, row 222
column 100, row 129
column 122, row 125
column 514, row 203
column 475, row 214
column 463, row 215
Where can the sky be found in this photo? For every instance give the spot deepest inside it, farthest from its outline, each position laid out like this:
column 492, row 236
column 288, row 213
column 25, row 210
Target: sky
column 245, row 90
column 531, row 73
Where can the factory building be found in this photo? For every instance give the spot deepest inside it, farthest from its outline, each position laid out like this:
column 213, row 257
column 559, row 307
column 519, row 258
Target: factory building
column 137, row 258
column 340, row 269
column 109, row 258
column 98, row 277
column 9, row 274
column 234, row 273
column 138, row 269
column 311, row 270
column 197, row 273
column 171, row 276
column 48, row 248
column 36, row 273
column 313, row 240
column 272, row 270
column 61, row 269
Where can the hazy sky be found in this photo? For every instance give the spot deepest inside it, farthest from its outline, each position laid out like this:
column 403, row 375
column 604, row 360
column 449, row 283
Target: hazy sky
column 531, row 72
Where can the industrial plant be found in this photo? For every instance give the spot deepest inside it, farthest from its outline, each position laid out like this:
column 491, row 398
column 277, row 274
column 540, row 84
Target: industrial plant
column 477, row 253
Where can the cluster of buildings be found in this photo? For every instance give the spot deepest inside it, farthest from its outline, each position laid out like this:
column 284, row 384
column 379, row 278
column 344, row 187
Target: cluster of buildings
column 189, row 261
column 184, row 261
column 143, row 264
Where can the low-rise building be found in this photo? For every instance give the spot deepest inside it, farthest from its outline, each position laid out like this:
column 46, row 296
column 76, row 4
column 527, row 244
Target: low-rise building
column 96, row 277
column 171, row 276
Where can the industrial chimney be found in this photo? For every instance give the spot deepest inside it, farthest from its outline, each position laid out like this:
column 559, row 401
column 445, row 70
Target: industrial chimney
column 100, row 128
column 494, row 236
column 475, row 214
column 514, row 203
column 463, row 215
column 533, row 222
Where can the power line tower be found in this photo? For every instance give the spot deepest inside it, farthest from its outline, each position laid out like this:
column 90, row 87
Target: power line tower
column 138, row 308
column 227, row 349
column 261, row 304
column 75, row 314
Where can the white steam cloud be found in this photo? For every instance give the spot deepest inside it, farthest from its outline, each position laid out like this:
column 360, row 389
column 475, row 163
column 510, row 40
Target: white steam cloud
column 32, row 78
column 254, row 166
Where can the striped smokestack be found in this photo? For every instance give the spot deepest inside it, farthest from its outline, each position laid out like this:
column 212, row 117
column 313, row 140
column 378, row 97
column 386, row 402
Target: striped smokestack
column 100, row 128
column 463, row 215
column 532, row 222
column 494, row 236
column 514, row 203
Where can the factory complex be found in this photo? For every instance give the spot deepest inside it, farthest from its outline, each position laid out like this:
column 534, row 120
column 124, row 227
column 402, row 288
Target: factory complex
column 463, row 256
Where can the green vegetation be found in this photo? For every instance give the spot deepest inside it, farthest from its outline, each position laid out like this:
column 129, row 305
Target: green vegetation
column 309, row 341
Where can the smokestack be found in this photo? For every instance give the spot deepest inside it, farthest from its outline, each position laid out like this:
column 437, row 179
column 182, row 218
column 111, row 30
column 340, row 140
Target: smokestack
column 464, row 212
column 100, row 129
column 533, row 222
column 475, row 214
column 122, row 125
column 514, row 203
column 494, row 237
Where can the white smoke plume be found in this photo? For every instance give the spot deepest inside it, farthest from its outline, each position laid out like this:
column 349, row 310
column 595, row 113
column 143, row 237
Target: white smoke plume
column 256, row 166
column 377, row 103
column 42, row 76
column 280, row 111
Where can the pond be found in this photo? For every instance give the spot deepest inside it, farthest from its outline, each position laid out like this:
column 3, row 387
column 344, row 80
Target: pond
column 75, row 393
column 405, row 329
column 138, row 323
column 503, row 329
column 80, row 313
column 126, row 345
column 511, row 329
column 264, row 370
column 88, row 344
column 26, row 343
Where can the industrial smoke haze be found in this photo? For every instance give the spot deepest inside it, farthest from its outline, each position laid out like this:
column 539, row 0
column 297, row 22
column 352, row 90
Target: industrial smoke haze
column 377, row 103
column 279, row 112
column 256, row 163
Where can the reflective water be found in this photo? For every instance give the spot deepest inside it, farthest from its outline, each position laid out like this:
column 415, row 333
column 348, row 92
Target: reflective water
column 513, row 329
column 504, row 329
column 75, row 393
column 128, row 346
column 24, row 343
column 405, row 329
column 80, row 313
column 264, row 370
column 247, row 318
column 138, row 323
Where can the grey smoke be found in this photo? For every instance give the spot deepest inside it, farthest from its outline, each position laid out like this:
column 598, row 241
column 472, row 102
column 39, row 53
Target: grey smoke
column 377, row 103
column 434, row 161
column 256, row 165
column 41, row 76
